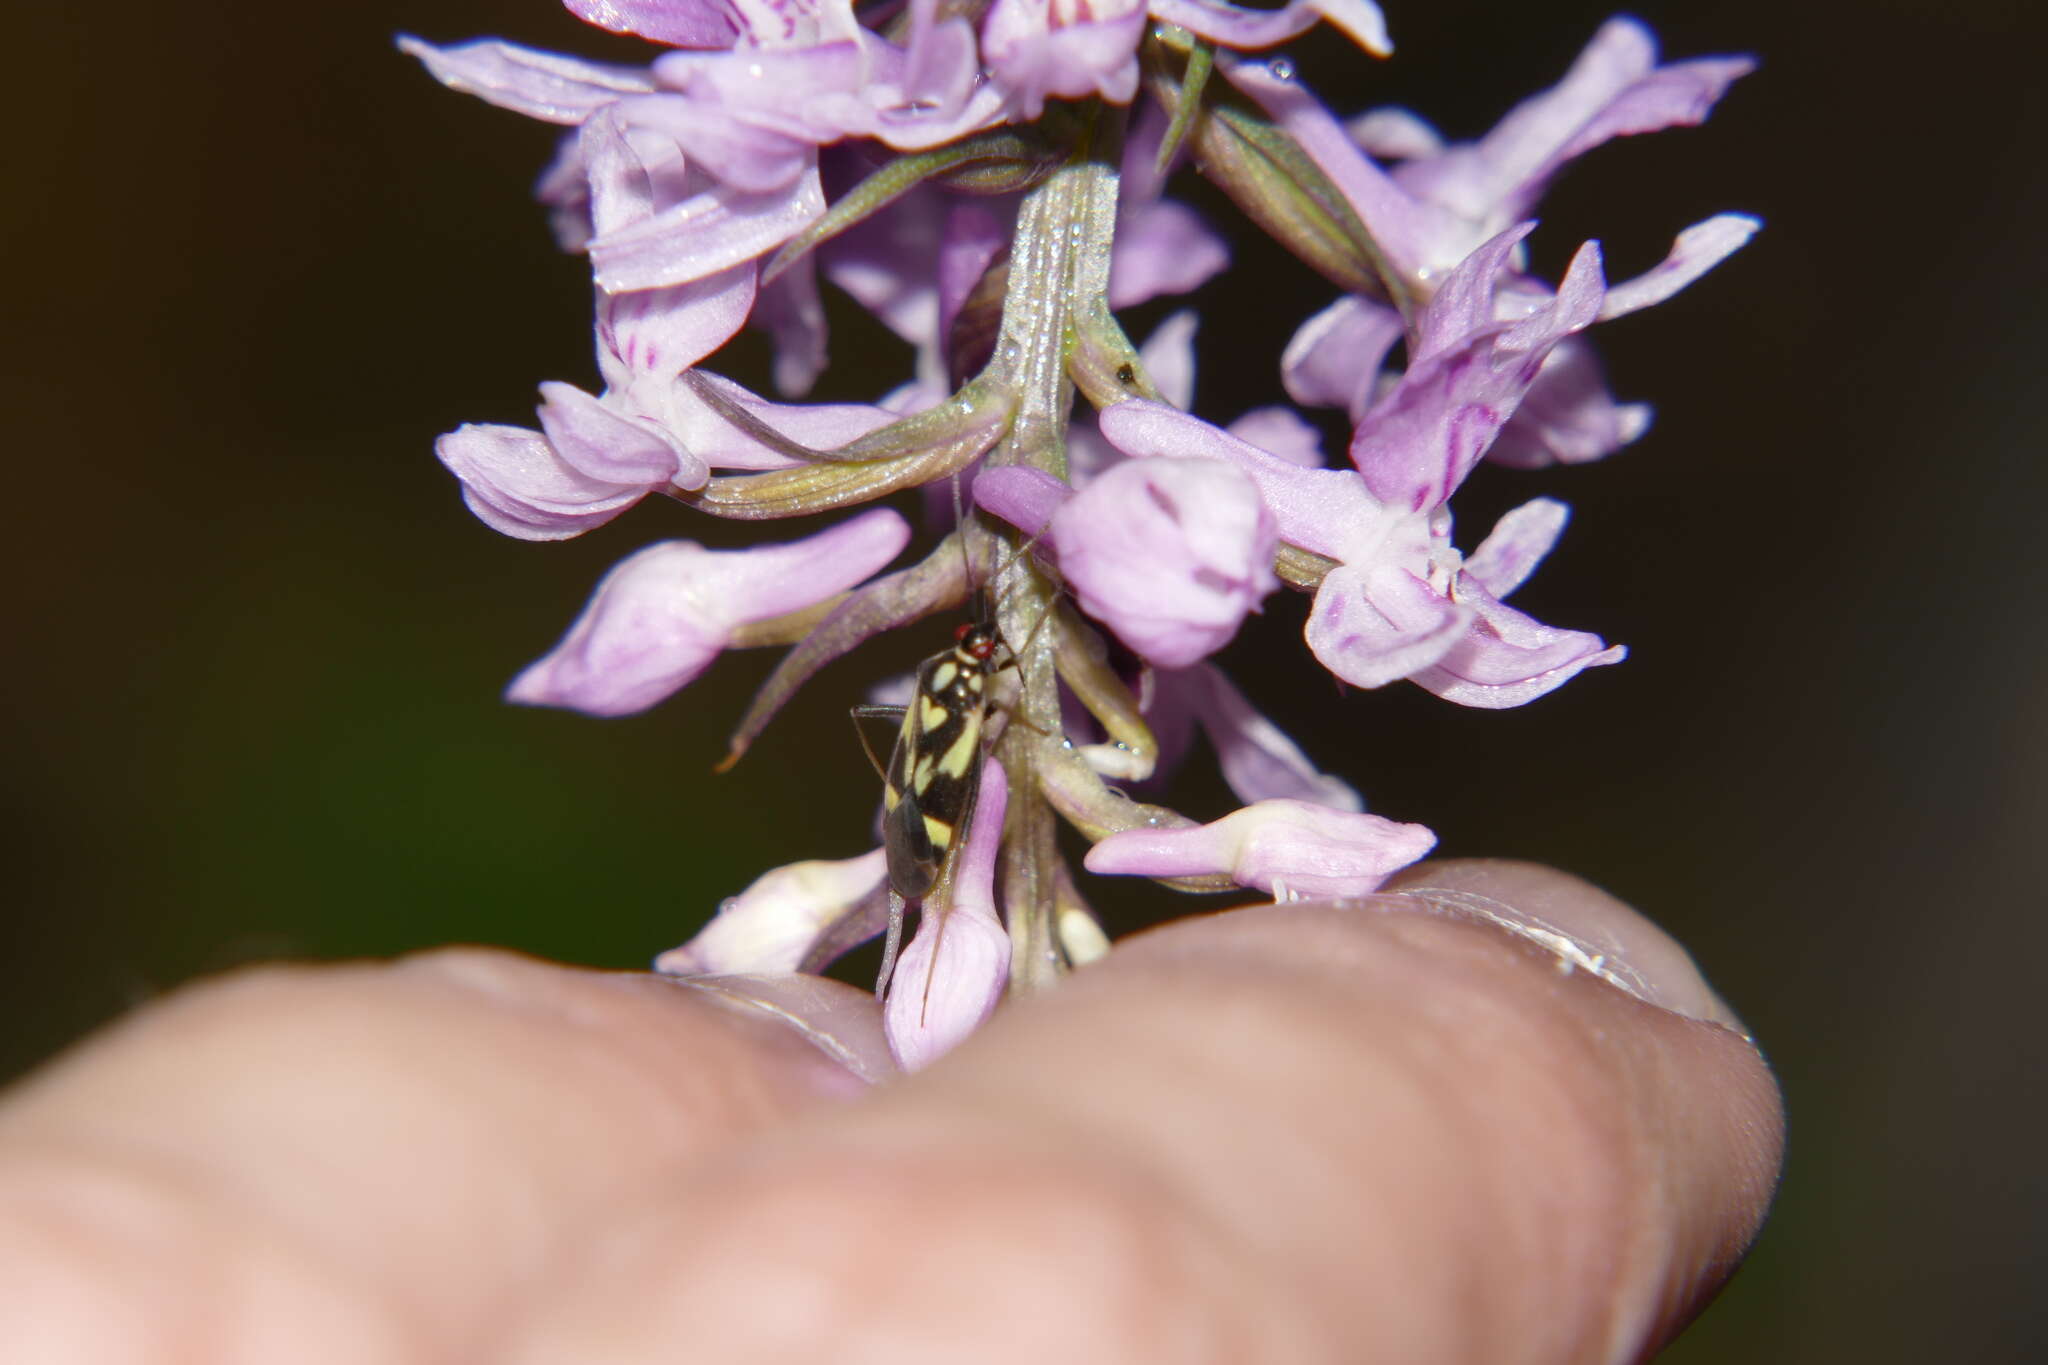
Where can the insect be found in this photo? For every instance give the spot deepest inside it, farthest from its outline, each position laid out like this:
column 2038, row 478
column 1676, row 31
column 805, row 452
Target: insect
column 936, row 765
column 933, row 776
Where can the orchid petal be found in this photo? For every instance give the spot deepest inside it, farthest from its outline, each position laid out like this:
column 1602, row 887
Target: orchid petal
column 973, row 238
column 659, row 333
column 887, row 264
column 1023, row 496
column 1613, row 89
column 1696, row 250
column 1251, row 29
column 1317, row 509
column 1169, row 554
column 1417, row 444
column 1162, row 248
column 1568, row 416
column 1280, row 430
column 1287, row 848
column 563, row 189
column 664, row 613
column 1394, row 134
column 1373, row 624
column 516, row 484
column 778, row 923
column 951, row 976
column 706, row 233
column 1334, row 359
column 1030, row 58
column 745, row 156
column 1517, row 544
column 1169, row 357
column 1258, row 759
column 1508, row 658
column 592, row 439
column 542, row 85
column 792, row 313
column 627, row 174
column 679, row 23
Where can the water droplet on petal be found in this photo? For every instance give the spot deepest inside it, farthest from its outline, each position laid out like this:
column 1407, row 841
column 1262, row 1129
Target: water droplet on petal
column 1281, row 69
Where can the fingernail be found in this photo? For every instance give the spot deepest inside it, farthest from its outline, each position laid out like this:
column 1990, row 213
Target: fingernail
column 843, row 1023
column 1583, row 927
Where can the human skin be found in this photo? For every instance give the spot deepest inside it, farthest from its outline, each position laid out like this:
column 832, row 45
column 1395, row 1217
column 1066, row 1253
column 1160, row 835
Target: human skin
column 1292, row 1134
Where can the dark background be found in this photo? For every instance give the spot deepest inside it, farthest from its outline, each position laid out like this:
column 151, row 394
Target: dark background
column 256, row 263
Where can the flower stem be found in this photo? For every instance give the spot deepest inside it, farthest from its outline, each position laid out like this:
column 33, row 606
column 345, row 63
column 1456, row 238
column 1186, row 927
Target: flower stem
column 1059, row 274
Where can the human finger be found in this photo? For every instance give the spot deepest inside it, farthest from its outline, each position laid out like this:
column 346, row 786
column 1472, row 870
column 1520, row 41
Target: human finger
column 1408, row 1129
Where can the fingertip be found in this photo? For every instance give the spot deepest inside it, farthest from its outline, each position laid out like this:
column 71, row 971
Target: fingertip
column 1583, row 925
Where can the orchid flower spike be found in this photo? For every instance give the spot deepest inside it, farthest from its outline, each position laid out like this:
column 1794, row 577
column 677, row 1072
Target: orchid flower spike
column 992, row 184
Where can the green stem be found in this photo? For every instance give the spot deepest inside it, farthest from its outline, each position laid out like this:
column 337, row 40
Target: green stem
column 1059, row 274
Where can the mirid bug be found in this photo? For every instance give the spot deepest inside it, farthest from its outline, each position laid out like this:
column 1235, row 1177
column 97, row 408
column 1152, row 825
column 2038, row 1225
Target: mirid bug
column 935, row 766
column 934, row 772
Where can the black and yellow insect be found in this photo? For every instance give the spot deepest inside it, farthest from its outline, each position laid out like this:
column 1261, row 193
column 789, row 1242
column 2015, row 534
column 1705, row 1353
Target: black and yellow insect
column 934, row 771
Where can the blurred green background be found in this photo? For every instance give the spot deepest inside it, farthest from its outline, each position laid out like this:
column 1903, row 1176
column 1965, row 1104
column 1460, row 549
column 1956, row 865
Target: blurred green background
column 257, row 261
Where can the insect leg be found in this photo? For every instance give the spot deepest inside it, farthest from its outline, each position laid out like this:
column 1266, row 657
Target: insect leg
column 893, row 714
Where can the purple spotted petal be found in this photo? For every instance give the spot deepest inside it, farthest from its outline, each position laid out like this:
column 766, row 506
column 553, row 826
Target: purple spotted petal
column 1509, row 659
column 656, row 334
column 779, row 923
column 663, row 614
column 951, row 976
column 1373, row 624
column 1031, row 59
column 1568, row 416
column 542, row 85
column 1288, row 849
column 1169, row 554
column 679, row 23
column 1417, row 444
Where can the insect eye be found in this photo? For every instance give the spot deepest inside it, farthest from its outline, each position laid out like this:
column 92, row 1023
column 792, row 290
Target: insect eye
column 960, row 632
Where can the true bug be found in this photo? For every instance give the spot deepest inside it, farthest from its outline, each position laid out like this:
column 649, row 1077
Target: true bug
column 936, row 764
column 934, row 773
